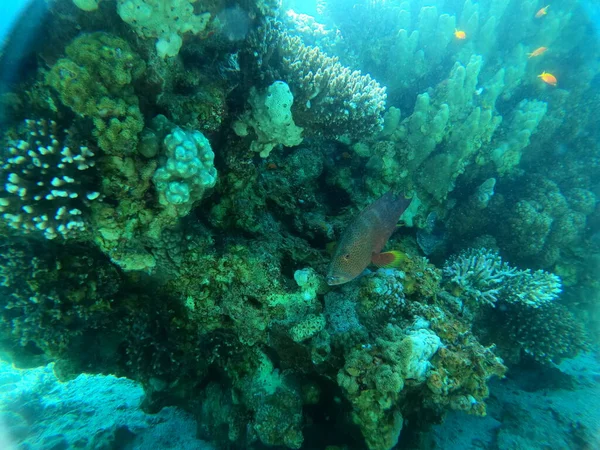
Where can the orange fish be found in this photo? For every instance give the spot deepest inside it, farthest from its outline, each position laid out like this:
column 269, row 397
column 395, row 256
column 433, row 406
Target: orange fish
column 363, row 240
column 542, row 12
column 459, row 34
column 537, row 52
column 548, row 78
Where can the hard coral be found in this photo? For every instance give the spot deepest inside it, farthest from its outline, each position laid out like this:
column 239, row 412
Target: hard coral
column 331, row 100
column 95, row 81
column 547, row 334
column 49, row 181
column 189, row 170
column 481, row 276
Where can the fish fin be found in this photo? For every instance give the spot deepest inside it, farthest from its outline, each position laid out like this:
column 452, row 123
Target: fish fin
column 330, row 247
column 389, row 259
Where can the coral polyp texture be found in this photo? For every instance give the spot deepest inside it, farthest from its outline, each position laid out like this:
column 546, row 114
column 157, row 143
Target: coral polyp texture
column 48, row 186
column 188, row 171
column 95, row 81
column 174, row 173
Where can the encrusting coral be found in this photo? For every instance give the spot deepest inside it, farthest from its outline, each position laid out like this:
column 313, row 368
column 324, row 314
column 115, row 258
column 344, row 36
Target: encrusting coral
column 167, row 22
column 271, row 119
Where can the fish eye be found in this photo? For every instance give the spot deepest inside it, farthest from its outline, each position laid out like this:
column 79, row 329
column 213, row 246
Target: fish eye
column 347, row 256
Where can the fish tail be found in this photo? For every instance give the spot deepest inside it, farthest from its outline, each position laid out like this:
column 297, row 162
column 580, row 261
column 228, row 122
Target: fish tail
column 391, row 259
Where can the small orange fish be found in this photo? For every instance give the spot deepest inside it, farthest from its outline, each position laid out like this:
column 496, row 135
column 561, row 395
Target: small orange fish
column 460, row 34
column 537, row 52
column 542, row 12
column 548, row 78
column 363, row 240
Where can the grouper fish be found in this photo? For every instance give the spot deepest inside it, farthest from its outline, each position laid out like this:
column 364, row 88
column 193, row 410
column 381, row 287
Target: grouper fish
column 363, row 240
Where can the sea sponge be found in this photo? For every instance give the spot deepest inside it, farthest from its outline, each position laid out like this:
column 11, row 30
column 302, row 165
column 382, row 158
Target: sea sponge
column 271, row 119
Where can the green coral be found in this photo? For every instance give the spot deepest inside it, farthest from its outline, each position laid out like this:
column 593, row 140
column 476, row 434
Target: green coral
column 95, row 80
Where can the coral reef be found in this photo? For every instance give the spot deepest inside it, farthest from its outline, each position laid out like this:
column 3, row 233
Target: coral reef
column 124, row 252
column 481, row 276
column 547, row 334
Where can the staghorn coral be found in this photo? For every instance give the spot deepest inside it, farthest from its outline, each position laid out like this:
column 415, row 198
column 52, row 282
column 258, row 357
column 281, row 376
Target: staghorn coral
column 49, row 182
column 330, row 99
column 533, row 289
column 479, row 274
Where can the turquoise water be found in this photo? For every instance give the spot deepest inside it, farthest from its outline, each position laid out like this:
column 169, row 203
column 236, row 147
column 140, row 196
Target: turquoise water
column 328, row 225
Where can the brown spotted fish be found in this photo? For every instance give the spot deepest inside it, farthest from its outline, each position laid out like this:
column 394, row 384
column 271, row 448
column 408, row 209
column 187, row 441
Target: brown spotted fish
column 363, row 240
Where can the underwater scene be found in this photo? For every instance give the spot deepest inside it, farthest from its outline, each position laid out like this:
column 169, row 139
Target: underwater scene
column 299, row 224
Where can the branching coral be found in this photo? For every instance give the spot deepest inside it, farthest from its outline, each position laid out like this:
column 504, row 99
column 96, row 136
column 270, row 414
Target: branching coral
column 228, row 313
column 330, row 99
column 48, row 181
column 547, row 334
column 481, row 276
